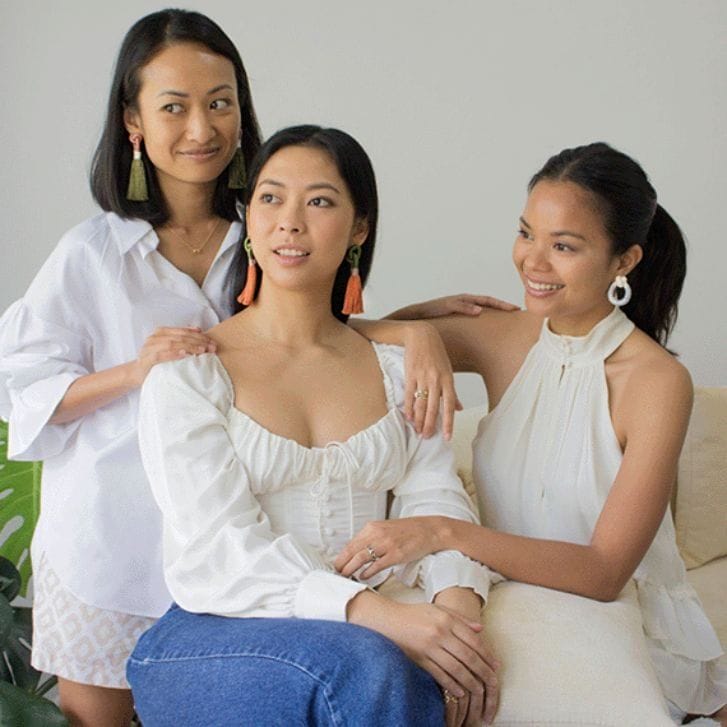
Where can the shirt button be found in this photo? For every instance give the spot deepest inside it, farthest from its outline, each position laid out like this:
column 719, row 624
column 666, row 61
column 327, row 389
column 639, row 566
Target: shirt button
column 327, row 512
column 329, row 531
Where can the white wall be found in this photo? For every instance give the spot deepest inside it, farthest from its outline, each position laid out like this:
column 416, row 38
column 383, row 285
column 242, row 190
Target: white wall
column 458, row 103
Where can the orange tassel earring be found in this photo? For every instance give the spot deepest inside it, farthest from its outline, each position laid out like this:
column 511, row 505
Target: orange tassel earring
column 248, row 292
column 353, row 300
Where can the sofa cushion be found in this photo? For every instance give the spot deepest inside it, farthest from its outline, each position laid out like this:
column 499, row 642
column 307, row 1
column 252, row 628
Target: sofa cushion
column 700, row 515
column 568, row 660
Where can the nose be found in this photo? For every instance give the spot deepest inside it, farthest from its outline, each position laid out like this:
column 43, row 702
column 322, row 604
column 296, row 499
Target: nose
column 291, row 218
column 537, row 258
column 199, row 126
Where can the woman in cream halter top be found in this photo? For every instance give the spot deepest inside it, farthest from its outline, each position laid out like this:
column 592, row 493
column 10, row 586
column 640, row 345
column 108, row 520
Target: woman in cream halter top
column 575, row 462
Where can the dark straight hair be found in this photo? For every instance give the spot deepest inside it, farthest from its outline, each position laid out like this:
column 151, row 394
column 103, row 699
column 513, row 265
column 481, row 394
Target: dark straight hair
column 112, row 159
column 355, row 168
column 631, row 215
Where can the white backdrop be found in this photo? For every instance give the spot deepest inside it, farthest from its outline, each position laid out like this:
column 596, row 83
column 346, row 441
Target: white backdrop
column 457, row 103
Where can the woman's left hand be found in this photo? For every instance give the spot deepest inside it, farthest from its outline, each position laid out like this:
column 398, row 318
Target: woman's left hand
column 392, row 542
column 429, row 379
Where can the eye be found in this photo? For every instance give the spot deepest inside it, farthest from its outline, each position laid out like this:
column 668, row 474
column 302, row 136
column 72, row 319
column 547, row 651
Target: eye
column 268, row 198
column 321, row 202
column 220, row 104
column 524, row 234
column 173, row 108
column 562, row 247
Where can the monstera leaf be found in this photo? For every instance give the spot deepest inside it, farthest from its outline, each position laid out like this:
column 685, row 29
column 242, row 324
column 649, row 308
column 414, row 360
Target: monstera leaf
column 19, row 506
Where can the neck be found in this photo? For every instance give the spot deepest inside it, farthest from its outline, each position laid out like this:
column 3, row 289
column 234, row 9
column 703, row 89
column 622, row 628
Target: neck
column 579, row 325
column 295, row 319
column 188, row 204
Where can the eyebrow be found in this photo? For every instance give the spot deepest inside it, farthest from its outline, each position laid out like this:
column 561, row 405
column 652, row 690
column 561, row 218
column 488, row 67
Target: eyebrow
column 557, row 233
column 310, row 187
column 182, row 94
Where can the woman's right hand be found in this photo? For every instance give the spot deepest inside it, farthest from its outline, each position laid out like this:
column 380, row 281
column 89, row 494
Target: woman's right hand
column 169, row 344
column 444, row 644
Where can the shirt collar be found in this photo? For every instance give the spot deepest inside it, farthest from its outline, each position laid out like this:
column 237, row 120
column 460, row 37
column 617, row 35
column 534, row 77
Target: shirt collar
column 132, row 231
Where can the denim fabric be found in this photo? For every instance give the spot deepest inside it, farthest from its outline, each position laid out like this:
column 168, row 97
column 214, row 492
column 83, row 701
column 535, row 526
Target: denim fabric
column 209, row 671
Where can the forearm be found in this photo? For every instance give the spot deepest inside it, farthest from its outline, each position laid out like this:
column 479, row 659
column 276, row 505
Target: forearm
column 563, row 566
column 92, row 391
column 391, row 332
column 411, row 312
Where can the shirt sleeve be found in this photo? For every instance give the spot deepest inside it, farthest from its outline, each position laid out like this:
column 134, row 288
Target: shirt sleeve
column 220, row 554
column 43, row 349
column 431, row 487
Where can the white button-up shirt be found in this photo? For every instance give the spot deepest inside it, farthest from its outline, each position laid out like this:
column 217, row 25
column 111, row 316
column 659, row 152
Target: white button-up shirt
column 100, row 294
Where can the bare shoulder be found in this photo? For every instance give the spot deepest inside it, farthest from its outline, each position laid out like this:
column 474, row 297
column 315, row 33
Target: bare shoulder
column 652, row 383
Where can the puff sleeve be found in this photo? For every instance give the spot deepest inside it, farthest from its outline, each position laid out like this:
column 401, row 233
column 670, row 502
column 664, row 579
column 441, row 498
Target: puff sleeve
column 220, row 553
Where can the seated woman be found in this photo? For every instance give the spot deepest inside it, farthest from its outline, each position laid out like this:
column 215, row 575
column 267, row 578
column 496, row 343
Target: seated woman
column 575, row 462
column 265, row 458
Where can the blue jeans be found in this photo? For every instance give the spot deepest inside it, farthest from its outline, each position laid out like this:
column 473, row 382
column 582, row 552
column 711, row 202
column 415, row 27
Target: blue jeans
column 209, row 671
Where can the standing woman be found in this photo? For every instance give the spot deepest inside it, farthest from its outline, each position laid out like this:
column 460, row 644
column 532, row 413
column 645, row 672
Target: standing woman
column 122, row 291
column 575, row 462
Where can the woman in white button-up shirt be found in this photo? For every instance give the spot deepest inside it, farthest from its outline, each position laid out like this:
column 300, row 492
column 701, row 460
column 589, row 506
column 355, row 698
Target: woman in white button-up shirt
column 267, row 455
column 124, row 290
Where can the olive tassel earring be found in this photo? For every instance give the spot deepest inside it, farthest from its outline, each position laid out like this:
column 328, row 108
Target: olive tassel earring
column 137, row 191
column 236, row 171
column 353, row 300
column 248, row 292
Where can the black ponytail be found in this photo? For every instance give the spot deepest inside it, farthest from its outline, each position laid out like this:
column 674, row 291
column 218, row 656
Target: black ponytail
column 658, row 279
column 631, row 216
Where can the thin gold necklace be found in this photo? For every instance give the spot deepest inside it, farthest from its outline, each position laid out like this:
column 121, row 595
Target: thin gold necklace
column 198, row 250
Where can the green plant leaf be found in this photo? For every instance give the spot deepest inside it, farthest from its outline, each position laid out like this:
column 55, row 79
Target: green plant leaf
column 7, row 617
column 9, row 579
column 18, row 708
column 16, row 651
column 19, row 506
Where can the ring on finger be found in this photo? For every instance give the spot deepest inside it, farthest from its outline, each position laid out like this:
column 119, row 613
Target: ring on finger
column 449, row 698
column 421, row 394
column 372, row 554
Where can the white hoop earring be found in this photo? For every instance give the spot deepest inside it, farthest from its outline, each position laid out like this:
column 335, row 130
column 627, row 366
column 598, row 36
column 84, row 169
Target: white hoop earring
column 619, row 282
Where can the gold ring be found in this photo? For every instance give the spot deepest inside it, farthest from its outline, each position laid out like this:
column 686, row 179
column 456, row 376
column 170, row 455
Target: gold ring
column 421, row 394
column 372, row 554
column 449, row 698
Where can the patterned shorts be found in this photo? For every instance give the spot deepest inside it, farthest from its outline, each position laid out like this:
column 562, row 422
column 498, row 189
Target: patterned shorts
column 80, row 642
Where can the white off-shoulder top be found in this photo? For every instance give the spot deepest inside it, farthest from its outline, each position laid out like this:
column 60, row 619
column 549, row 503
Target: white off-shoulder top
column 252, row 521
column 545, row 459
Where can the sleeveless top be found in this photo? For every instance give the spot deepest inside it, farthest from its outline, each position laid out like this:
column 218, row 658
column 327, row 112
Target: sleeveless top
column 544, row 461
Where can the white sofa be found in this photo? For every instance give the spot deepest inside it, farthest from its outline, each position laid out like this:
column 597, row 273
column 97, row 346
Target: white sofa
column 563, row 656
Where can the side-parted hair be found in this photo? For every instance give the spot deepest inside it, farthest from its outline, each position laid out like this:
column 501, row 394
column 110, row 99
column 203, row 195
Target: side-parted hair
column 112, row 159
column 355, row 168
column 631, row 215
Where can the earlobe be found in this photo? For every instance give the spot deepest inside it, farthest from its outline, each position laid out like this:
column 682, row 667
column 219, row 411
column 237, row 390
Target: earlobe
column 131, row 121
column 360, row 232
column 630, row 259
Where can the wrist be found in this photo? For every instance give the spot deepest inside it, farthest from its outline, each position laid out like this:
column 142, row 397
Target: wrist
column 132, row 374
column 444, row 533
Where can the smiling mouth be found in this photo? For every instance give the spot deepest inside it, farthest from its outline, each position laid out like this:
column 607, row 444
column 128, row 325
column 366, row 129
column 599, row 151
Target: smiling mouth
column 290, row 252
column 200, row 153
column 542, row 287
